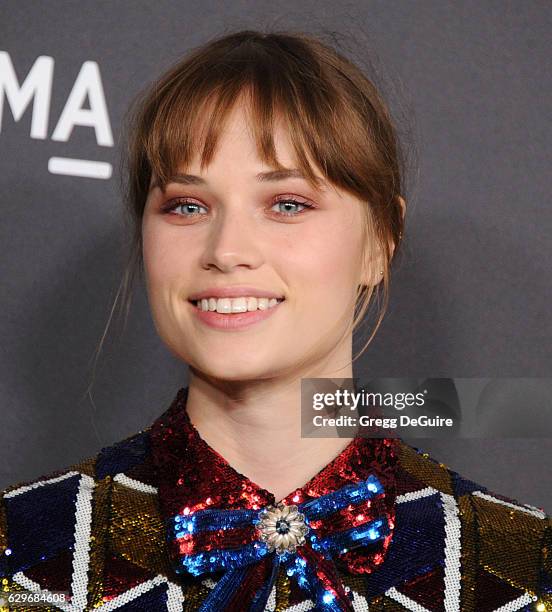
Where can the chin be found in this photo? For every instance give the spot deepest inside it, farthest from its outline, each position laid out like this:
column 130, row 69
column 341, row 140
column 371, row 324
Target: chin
column 235, row 374
column 238, row 369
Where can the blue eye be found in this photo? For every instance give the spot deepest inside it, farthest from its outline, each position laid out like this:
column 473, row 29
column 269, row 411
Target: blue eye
column 292, row 202
column 174, row 204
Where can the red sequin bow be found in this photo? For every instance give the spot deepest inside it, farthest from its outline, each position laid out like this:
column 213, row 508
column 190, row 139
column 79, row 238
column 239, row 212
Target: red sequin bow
column 250, row 545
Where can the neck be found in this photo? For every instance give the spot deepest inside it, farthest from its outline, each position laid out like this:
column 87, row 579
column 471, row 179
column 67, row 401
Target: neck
column 256, row 427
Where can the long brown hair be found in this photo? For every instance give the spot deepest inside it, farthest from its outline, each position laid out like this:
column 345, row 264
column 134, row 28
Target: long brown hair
column 334, row 112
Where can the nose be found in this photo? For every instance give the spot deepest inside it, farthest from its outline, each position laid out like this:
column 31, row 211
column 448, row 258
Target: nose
column 232, row 242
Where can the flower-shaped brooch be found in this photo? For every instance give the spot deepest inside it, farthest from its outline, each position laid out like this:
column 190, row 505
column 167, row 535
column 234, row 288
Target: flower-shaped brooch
column 282, row 528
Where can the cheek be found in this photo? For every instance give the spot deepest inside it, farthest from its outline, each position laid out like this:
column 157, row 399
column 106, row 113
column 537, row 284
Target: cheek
column 164, row 267
column 162, row 254
column 325, row 261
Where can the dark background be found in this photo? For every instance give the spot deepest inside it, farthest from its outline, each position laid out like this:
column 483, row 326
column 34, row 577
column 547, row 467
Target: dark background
column 468, row 84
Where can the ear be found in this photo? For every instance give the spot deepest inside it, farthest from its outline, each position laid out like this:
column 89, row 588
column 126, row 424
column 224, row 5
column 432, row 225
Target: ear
column 371, row 269
column 373, row 263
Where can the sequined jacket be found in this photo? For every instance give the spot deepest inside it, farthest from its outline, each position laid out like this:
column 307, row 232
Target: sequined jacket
column 103, row 531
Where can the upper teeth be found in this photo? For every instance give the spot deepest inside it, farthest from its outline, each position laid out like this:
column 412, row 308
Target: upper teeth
column 240, row 304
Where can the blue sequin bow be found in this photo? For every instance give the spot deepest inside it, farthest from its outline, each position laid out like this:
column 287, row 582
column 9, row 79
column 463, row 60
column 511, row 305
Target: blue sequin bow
column 303, row 539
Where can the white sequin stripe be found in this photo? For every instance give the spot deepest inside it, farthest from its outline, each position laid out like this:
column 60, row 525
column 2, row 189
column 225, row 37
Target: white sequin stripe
column 360, row 603
column 453, row 528
column 531, row 507
column 537, row 513
column 408, row 603
column 517, row 604
column 34, row 587
column 271, row 601
column 81, row 556
column 41, row 483
column 131, row 483
column 408, row 497
column 174, row 595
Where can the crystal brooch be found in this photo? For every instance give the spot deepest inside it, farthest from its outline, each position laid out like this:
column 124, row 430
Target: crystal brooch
column 282, row 527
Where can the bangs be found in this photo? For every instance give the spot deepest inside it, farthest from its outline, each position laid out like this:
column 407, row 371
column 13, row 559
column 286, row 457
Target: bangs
column 194, row 100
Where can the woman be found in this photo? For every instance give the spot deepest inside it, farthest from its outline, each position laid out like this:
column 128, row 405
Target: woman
column 265, row 190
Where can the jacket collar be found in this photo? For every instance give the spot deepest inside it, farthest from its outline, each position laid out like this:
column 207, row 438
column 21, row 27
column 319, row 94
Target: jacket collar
column 193, row 476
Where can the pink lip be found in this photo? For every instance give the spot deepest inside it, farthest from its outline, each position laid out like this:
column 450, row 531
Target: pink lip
column 241, row 320
column 237, row 291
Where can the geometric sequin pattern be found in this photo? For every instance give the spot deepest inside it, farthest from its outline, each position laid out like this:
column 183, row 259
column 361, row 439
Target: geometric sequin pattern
column 98, row 530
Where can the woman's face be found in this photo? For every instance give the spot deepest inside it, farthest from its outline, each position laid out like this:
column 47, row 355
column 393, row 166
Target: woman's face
column 230, row 229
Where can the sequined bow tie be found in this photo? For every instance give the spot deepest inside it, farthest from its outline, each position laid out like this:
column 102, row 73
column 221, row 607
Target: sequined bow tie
column 250, row 545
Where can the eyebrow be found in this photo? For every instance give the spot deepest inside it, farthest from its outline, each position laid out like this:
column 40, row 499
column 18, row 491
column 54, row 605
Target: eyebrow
column 271, row 176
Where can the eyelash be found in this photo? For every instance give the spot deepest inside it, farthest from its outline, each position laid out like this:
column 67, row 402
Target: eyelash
column 173, row 204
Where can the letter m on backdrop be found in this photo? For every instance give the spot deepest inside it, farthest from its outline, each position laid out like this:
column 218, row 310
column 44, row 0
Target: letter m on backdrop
column 37, row 86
